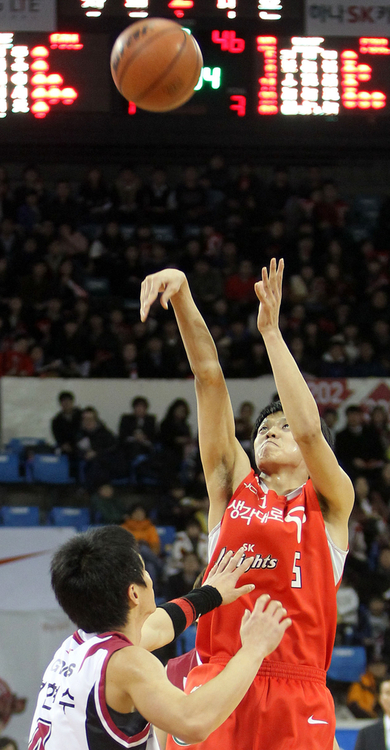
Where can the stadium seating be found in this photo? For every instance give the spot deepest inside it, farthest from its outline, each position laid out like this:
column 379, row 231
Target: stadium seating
column 19, row 515
column 167, row 536
column 348, row 663
column 50, row 469
column 80, row 518
column 10, row 468
column 18, row 445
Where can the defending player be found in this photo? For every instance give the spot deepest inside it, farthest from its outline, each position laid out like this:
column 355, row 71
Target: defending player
column 292, row 514
column 103, row 689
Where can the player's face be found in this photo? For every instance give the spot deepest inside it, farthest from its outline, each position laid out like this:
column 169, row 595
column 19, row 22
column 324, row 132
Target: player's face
column 384, row 697
column 148, row 593
column 274, row 444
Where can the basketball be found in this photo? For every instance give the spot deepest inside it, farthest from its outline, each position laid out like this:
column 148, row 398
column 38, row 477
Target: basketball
column 156, row 64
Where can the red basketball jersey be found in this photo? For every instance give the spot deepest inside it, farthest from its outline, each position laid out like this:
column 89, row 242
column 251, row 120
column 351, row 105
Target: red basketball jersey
column 295, row 561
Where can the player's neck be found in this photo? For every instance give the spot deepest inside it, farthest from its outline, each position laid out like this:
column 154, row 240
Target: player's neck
column 284, row 479
column 132, row 629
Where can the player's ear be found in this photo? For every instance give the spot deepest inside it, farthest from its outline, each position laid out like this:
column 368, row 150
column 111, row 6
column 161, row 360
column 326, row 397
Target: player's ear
column 133, row 594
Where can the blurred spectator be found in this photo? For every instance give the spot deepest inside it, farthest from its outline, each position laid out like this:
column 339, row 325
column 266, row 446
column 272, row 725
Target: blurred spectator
column 175, row 433
column 358, row 446
column 330, row 417
column 9, row 704
column 192, row 539
column 129, row 362
column 190, row 197
column 138, row 430
column 94, row 197
column 98, row 449
column 244, row 425
column 154, row 362
column 379, row 421
column 374, row 736
column 347, row 612
column 106, row 506
column 7, row 744
column 136, row 520
column 180, row 583
column 62, row 208
column 239, row 287
column 375, row 623
column 65, row 425
column 362, row 698
column 16, row 360
column 205, row 282
column 157, row 197
column 126, row 196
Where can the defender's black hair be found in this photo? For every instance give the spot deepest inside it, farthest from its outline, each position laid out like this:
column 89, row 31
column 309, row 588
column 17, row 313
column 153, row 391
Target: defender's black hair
column 91, row 574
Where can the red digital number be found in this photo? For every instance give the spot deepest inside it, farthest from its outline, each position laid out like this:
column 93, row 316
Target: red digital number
column 228, row 40
column 239, row 104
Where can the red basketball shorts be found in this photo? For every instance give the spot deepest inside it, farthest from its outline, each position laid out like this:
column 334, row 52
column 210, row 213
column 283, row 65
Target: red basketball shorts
column 286, row 708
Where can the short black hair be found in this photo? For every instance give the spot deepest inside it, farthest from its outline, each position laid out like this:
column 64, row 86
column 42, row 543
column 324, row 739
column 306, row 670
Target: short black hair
column 276, row 406
column 91, row 574
column 140, row 400
column 65, row 394
column 4, row 741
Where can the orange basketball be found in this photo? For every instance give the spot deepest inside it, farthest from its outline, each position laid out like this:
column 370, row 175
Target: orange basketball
column 156, row 64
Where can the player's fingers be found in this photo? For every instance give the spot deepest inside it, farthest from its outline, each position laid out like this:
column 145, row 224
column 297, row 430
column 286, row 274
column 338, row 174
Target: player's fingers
column 242, row 590
column 286, row 623
column 245, row 617
column 265, row 280
column 280, row 613
column 272, row 277
column 260, row 293
column 223, row 563
column 149, row 292
column 261, row 602
column 273, row 606
column 279, row 274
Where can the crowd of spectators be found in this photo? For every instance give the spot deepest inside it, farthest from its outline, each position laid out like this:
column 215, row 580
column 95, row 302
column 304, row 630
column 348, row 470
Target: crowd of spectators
column 72, row 259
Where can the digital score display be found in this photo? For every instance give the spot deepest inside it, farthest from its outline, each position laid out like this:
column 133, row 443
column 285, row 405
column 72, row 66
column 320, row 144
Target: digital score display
column 245, row 75
column 41, row 72
column 267, row 10
column 265, row 76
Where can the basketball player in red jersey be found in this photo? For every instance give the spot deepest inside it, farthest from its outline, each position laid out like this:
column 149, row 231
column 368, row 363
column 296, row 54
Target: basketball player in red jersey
column 291, row 514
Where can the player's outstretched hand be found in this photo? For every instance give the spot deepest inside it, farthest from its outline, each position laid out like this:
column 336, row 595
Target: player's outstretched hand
column 269, row 293
column 166, row 282
column 224, row 576
column 263, row 629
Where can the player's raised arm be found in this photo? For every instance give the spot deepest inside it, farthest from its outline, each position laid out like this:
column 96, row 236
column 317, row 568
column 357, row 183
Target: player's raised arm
column 225, row 463
column 300, row 409
column 169, row 620
column 193, row 717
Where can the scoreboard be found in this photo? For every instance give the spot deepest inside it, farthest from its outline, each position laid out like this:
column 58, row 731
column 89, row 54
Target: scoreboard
column 245, row 75
column 261, row 67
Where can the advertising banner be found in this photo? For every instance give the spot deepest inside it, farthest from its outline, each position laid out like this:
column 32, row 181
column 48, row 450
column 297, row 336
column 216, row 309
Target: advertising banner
column 28, row 15
column 342, row 18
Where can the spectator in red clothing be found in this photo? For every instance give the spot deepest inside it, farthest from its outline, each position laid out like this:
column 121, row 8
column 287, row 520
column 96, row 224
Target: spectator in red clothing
column 239, row 286
column 331, row 209
column 9, row 704
column 17, row 361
